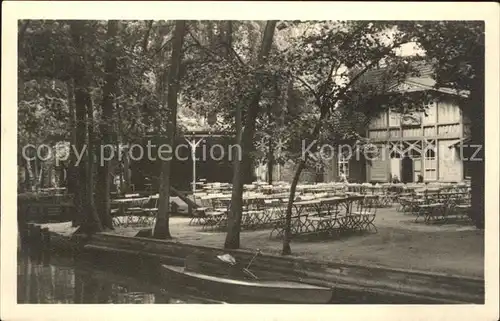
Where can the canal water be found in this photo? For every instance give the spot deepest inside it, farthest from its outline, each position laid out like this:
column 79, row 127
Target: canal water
column 44, row 278
column 48, row 278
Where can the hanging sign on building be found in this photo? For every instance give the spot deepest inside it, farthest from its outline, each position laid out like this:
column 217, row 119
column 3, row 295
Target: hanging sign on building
column 411, row 119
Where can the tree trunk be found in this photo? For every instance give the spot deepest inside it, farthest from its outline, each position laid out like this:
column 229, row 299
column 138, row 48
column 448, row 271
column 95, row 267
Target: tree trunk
column 229, row 37
column 270, row 162
column 71, row 174
column 62, row 175
column 20, row 53
column 476, row 115
column 29, row 175
column 221, row 35
column 271, row 109
column 125, row 177
column 91, row 222
column 161, row 228
column 288, row 218
column 233, row 235
column 233, row 239
column 109, row 91
column 127, row 181
column 28, row 182
column 234, row 216
column 120, row 166
column 302, row 164
column 119, row 163
column 25, row 175
column 50, row 174
column 145, row 40
column 36, row 174
column 91, row 147
column 248, row 164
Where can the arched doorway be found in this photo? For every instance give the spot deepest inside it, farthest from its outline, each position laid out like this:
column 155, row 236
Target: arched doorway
column 407, row 169
column 395, row 166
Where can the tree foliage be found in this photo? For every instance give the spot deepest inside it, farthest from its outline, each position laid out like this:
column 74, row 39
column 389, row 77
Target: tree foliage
column 456, row 50
column 308, row 82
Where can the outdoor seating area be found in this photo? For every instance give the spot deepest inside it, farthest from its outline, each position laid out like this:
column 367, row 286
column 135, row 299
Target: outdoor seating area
column 316, row 208
column 437, row 205
column 330, row 216
column 46, row 205
column 259, row 210
column 329, row 209
column 134, row 211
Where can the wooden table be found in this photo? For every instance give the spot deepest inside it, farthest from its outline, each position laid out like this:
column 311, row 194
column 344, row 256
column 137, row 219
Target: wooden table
column 127, row 209
column 214, row 219
column 442, row 205
column 320, row 215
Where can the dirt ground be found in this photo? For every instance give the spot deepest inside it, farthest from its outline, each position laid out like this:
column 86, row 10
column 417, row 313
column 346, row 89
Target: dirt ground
column 399, row 243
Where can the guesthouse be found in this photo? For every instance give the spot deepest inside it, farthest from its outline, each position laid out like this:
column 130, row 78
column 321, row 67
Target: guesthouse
column 428, row 144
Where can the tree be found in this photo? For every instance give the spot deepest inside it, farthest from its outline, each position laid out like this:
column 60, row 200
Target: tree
column 72, row 175
column 161, row 229
column 237, row 176
column 41, row 108
column 228, row 74
column 109, row 92
column 456, row 50
column 71, row 73
column 234, row 217
column 86, row 209
column 327, row 62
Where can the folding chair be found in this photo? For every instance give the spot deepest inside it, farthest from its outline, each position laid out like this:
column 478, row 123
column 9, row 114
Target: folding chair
column 460, row 205
column 432, row 208
column 363, row 213
column 136, row 210
column 221, row 205
column 148, row 214
column 198, row 217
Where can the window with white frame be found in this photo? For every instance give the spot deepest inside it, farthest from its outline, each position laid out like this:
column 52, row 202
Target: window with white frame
column 430, row 113
column 343, row 165
column 394, row 119
column 430, row 165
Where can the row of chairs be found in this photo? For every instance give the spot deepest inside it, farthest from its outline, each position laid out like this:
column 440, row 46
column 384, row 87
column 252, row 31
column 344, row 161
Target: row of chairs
column 339, row 219
column 440, row 206
column 140, row 213
column 254, row 215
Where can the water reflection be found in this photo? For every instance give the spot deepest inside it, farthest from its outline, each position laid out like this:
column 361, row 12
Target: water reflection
column 57, row 279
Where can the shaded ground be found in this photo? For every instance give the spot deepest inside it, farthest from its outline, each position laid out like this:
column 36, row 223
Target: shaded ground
column 64, row 228
column 399, row 243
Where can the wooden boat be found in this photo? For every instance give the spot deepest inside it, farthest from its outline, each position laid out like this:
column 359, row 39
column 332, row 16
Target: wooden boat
column 264, row 291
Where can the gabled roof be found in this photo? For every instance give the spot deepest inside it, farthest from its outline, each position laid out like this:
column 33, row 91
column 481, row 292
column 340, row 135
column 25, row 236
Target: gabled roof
column 420, row 79
column 419, row 68
column 413, row 84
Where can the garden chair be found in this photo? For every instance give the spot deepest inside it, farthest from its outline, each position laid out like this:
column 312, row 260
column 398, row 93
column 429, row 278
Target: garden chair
column 198, row 217
column 136, row 209
column 148, row 213
column 363, row 213
column 460, row 205
column 431, row 209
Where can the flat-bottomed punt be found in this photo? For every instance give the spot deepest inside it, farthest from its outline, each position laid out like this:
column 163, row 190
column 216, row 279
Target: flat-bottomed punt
column 261, row 290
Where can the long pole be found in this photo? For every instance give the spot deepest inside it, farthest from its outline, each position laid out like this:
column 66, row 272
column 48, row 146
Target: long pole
column 193, row 154
column 193, row 144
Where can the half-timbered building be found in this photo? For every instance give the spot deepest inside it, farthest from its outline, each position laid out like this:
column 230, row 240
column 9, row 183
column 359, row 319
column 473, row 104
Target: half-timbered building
column 426, row 145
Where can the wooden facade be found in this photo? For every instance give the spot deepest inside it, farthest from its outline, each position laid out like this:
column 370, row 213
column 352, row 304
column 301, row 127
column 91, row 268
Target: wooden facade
column 420, row 144
column 426, row 144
